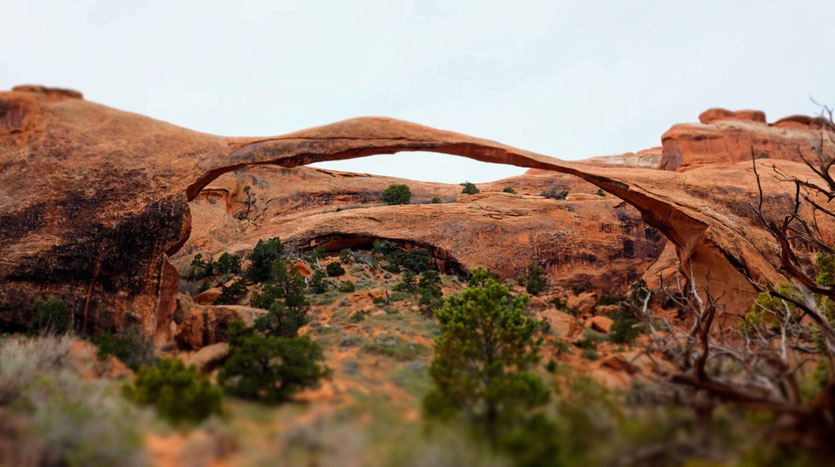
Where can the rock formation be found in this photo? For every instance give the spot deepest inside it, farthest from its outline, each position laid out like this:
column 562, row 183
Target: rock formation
column 93, row 200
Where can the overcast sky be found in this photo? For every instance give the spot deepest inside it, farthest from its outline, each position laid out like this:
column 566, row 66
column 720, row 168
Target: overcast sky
column 570, row 79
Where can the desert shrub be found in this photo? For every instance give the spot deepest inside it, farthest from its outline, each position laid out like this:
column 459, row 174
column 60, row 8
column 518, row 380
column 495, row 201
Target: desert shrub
column 408, row 282
column 227, row 264
column 130, row 348
column 249, row 202
column 262, row 258
column 178, row 393
column 199, row 268
column 590, row 339
column 270, row 369
column 383, row 247
column 347, row 287
column 397, row 194
column 335, row 269
column 484, row 357
column 204, row 286
column 535, row 280
column 554, row 194
column 317, row 283
column 600, row 192
column 346, row 256
column 768, row 312
column 51, row 315
column 469, row 188
column 435, row 200
column 393, row 268
column 232, row 293
column 590, row 354
column 311, row 256
column 394, row 346
column 56, row 416
column 606, row 299
column 416, row 259
column 509, row 190
column 625, row 327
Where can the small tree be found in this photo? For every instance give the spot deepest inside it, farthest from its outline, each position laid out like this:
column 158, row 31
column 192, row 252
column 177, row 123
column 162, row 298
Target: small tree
column 280, row 321
column 177, row 392
column 484, row 358
column 317, row 283
column 263, row 256
column 600, row 192
column 287, row 284
column 199, row 268
column 469, row 188
column 535, row 280
column 269, row 369
column 435, row 200
column 346, row 256
column 51, row 315
column 509, row 190
column 397, row 194
column 227, row 264
column 232, row 293
column 248, row 202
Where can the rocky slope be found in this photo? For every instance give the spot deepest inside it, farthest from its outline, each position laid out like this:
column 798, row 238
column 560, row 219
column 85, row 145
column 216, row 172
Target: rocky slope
column 93, row 200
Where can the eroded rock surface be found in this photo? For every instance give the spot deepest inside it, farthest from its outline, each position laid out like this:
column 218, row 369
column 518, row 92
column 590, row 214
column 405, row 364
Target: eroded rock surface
column 93, row 200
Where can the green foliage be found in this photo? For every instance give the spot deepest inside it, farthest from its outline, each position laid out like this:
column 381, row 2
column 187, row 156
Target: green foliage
column 270, row 369
column 249, row 202
column 397, row 194
column 347, row 287
column 199, row 268
column 51, row 315
column 768, row 312
column 590, row 354
column 826, row 269
column 232, row 293
column 179, row 393
column 228, row 264
column 346, row 256
column 484, row 359
column 610, row 299
column 408, row 283
column 509, row 190
column 469, row 188
column 130, row 348
column 435, row 200
column 535, row 281
column 280, row 321
column 590, row 339
column 600, row 192
column 263, row 256
column 204, row 286
column 554, row 194
column 311, row 256
column 625, row 327
column 416, row 259
column 317, row 283
column 335, row 269
column 764, row 155
column 383, row 247
column 430, row 295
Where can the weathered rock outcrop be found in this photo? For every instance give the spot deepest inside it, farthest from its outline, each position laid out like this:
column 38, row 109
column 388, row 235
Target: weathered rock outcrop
column 92, row 200
column 725, row 137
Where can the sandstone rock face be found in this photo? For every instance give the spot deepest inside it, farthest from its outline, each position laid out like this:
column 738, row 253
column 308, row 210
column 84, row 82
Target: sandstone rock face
column 725, row 137
column 587, row 241
column 93, row 200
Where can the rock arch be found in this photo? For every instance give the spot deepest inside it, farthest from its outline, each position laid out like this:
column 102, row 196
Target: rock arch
column 93, row 198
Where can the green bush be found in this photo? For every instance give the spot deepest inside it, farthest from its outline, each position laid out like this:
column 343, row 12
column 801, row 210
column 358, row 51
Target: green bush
column 509, row 190
column 270, row 369
column 625, row 327
column 233, row 293
column 227, row 264
column 335, row 269
column 347, row 287
column 408, row 283
column 469, row 188
column 204, row 286
column 536, row 281
column 199, row 268
column 600, row 192
column 317, row 283
column 394, row 346
column 51, row 315
column 178, row 393
column 130, row 348
column 311, row 256
column 383, row 247
column 281, row 321
column 397, row 194
column 435, row 200
column 346, row 256
column 262, row 258
column 554, row 194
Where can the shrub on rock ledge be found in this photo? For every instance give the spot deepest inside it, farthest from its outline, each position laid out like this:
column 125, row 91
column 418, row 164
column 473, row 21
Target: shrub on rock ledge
column 397, row 194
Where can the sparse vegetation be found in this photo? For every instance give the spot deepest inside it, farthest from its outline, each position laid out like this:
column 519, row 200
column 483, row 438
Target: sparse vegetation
column 130, row 348
column 509, row 190
column 554, row 194
column 600, row 192
column 317, row 283
column 347, row 287
column 397, row 194
column 435, row 200
column 199, row 268
column 536, row 279
column 335, row 269
column 249, row 202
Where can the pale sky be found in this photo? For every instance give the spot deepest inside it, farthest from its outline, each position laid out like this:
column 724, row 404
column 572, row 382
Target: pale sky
column 570, row 79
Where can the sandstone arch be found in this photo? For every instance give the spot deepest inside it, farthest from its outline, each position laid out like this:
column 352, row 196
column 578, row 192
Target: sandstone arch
column 92, row 198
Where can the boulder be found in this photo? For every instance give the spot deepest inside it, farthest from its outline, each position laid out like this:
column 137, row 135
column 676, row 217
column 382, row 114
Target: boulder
column 586, row 302
column 206, row 324
column 208, row 296
column 599, row 324
column 712, row 115
column 209, row 357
